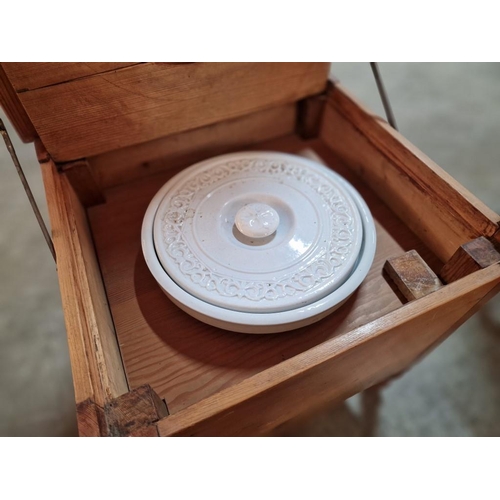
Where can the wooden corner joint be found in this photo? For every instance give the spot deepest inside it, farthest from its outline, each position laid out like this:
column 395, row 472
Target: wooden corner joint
column 83, row 181
column 411, row 275
column 135, row 413
column 470, row 257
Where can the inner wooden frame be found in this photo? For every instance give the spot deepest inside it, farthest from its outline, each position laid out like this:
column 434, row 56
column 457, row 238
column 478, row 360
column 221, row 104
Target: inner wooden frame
column 188, row 363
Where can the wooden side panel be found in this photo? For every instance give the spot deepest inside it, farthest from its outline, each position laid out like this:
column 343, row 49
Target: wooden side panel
column 140, row 103
column 33, row 75
column 96, row 363
column 134, row 162
column 437, row 208
column 337, row 369
column 10, row 103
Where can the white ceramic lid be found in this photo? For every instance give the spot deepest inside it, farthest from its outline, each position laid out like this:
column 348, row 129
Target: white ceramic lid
column 257, row 232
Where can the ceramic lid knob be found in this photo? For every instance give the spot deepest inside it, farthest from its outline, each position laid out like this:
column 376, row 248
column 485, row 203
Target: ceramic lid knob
column 257, row 220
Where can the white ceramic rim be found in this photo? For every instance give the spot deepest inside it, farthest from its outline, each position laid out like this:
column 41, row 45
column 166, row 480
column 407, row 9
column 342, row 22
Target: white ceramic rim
column 260, row 322
column 284, row 304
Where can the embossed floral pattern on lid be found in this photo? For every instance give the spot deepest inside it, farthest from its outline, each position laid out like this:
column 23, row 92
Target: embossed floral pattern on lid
column 312, row 251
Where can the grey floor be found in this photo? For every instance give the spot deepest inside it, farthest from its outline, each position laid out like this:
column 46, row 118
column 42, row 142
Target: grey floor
column 450, row 111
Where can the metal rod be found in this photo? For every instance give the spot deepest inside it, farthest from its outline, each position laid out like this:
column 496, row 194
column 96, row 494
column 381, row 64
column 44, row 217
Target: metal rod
column 383, row 95
column 26, row 186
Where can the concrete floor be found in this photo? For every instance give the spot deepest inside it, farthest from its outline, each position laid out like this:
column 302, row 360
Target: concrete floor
column 450, row 111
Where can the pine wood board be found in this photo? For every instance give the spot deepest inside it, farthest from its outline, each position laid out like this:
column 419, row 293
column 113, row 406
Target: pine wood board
column 133, row 162
column 440, row 211
column 185, row 360
column 98, row 374
column 140, row 103
column 337, row 369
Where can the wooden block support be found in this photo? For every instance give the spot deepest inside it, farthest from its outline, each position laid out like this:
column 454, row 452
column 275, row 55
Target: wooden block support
column 83, row 182
column 135, row 413
column 309, row 115
column 412, row 276
column 470, row 257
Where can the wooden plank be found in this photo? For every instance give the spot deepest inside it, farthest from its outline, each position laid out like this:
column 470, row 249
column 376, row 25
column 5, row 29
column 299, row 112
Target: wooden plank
column 10, row 103
column 83, row 182
column 96, row 363
column 134, row 162
column 185, row 360
column 469, row 258
column 412, row 276
column 144, row 102
column 135, row 413
column 437, row 208
column 337, row 369
column 33, row 75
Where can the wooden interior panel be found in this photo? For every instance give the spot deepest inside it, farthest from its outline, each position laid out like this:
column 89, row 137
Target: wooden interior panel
column 140, row 103
column 33, row 75
column 98, row 373
column 340, row 367
column 131, row 163
column 185, row 360
column 440, row 211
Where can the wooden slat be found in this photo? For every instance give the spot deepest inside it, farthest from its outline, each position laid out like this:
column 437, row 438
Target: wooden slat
column 33, row 75
column 10, row 103
column 113, row 110
column 134, row 162
column 412, row 276
column 97, row 368
column 337, row 369
column 438, row 209
column 470, row 257
column 185, row 360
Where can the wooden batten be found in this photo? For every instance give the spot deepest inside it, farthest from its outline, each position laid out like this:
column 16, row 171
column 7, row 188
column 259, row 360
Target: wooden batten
column 437, row 208
column 131, row 163
column 469, row 258
column 31, row 76
column 139, row 103
column 412, row 276
column 98, row 372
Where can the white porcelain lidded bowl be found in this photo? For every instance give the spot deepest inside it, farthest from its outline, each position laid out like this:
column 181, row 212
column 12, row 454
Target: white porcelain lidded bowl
column 258, row 242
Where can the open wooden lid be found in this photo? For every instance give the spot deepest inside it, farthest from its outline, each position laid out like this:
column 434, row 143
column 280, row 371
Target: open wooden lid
column 81, row 110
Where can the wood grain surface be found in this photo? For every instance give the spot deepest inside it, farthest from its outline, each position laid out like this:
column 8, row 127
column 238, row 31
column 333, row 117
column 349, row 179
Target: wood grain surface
column 107, row 111
column 185, row 360
column 30, row 76
column 438, row 209
column 96, row 364
column 412, row 276
column 336, row 369
column 133, row 162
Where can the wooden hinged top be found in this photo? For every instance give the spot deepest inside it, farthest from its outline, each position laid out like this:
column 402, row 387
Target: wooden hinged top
column 84, row 109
